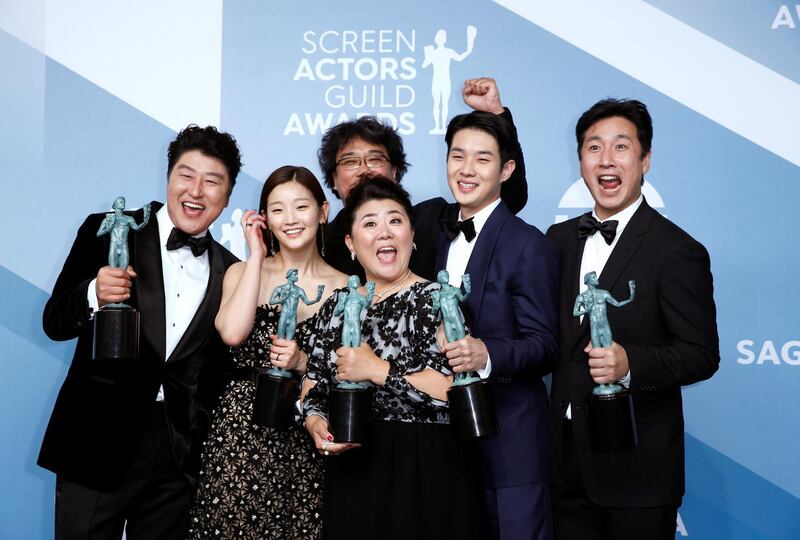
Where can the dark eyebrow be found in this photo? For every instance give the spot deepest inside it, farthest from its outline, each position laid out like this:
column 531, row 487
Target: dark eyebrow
column 375, row 214
column 618, row 136
column 479, row 152
column 210, row 173
column 370, row 153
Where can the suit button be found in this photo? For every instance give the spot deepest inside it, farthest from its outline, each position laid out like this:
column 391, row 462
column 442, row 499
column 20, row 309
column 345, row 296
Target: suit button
column 576, row 360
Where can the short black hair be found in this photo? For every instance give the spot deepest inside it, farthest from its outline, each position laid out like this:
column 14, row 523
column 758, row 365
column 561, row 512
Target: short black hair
column 493, row 124
column 631, row 109
column 210, row 142
column 368, row 129
column 377, row 188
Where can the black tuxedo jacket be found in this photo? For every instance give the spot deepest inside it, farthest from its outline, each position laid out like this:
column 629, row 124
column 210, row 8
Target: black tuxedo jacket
column 102, row 407
column 427, row 219
column 669, row 333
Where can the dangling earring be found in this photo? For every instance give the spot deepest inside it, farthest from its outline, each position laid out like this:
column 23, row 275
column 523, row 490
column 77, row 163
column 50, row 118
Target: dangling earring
column 352, row 255
column 271, row 244
column 414, row 246
column 321, row 233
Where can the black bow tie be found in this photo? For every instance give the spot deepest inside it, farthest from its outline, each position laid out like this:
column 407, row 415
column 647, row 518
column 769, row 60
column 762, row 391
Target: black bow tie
column 178, row 239
column 588, row 225
column 452, row 228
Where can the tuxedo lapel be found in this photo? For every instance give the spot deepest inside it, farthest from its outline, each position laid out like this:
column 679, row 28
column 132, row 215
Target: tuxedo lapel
column 478, row 265
column 150, row 283
column 197, row 331
column 572, row 273
column 626, row 247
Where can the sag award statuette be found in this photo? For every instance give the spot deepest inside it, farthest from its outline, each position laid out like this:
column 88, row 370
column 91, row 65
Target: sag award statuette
column 471, row 406
column 116, row 326
column 611, row 421
column 350, row 402
column 276, row 388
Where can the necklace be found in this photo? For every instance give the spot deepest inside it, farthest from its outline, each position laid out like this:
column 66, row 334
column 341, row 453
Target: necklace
column 394, row 285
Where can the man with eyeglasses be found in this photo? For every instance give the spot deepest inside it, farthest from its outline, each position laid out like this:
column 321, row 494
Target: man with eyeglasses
column 366, row 148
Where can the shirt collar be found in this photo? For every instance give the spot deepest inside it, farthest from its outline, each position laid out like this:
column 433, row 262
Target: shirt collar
column 623, row 216
column 482, row 216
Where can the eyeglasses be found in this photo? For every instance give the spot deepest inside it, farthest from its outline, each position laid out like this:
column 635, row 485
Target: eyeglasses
column 373, row 161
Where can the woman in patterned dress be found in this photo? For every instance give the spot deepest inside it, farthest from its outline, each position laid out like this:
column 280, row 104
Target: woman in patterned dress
column 410, row 479
column 259, row 482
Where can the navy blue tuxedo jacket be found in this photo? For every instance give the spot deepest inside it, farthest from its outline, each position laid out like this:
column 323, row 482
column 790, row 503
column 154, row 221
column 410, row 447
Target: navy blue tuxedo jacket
column 513, row 308
column 669, row 333
column 102, row 407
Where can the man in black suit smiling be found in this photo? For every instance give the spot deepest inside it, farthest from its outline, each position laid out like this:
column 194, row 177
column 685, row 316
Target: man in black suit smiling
column 666, row 338
column 124, row 436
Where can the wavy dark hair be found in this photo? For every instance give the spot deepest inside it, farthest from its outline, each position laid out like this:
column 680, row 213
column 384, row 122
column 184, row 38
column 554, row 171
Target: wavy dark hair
column 210, row 142
column 368, row 129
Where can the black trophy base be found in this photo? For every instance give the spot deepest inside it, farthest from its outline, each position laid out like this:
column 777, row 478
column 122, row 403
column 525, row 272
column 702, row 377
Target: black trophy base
column 612, row 426
column 274, row 403
column 116, row 334
column 349, row 410
column 472, row 412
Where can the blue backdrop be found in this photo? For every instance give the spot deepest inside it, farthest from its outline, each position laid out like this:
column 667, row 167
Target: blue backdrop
column 92, row 92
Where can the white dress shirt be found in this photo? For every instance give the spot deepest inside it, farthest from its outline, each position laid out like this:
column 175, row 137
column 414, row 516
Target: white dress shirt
column 596, row 254
column 185, row 283
column 458, row 257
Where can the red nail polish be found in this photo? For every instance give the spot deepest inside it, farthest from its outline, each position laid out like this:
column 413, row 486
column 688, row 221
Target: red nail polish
column 329, row 438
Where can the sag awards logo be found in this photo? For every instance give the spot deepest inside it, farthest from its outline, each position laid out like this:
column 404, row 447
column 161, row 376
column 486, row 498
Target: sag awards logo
column 373, row 72
column 754, row 353
column 577, row 197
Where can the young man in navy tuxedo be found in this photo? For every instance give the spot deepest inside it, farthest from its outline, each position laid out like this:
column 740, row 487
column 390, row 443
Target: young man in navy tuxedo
column 366, row 148
column 124, row 437
column 512, row 314
column 664, row 339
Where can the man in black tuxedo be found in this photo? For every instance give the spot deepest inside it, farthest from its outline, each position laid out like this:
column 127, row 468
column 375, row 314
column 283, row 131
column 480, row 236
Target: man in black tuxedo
column 666, row 338
column 366, row 148
column 124, row 436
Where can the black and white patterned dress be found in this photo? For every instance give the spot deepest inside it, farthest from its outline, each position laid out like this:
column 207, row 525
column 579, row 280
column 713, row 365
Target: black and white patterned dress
column 411, row 478
column 257, row 482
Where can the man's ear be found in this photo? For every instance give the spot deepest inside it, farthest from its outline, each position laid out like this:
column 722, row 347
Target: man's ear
column 508, row 170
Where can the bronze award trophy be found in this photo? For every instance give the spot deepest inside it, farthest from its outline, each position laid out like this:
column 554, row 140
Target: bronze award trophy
column 116, row 326
column 471, row 407
column 350, row 403
column 612, row 425
column 276, row 388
